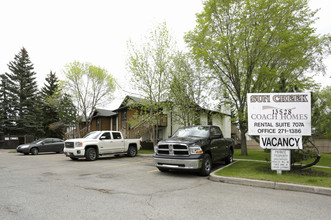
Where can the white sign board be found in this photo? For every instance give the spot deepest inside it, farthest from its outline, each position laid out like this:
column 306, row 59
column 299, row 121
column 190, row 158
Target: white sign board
column 281, row 142
column 279, row 114
column 280, row 160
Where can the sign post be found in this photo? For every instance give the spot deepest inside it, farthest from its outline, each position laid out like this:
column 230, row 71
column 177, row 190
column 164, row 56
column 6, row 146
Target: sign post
column 280, row 119
column 280, row 160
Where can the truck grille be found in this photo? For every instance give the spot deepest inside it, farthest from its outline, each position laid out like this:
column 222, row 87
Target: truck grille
column 173, row 149
column 69, row 144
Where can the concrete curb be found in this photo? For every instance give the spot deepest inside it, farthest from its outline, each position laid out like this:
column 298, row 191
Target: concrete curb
column 269, row 184
column 263, row 183
column 145, row 155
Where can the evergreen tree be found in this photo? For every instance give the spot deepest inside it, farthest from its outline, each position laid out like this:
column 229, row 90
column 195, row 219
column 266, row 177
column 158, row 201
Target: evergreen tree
column 6, row 125
column 24, row 97
column 67, row 112
column 50, row 113
column 50, row 86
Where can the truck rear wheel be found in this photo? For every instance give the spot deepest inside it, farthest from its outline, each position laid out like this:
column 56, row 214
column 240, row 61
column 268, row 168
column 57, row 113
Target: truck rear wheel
column 91, row 154
column 206, row 166
column 132, row 151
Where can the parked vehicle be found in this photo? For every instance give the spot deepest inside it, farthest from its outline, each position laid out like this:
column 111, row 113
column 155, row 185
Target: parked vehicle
column 195, row 149
column 100, row 143
column 42, row 145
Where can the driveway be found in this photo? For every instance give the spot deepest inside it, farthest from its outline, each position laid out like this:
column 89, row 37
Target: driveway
column 51, row 186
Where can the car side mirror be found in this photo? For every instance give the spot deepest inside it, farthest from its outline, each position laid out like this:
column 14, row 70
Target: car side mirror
column 102, row 137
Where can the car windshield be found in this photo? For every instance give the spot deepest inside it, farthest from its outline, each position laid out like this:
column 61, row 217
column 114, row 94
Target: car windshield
column 93, row 135
column 38, row 141
column 199, row 131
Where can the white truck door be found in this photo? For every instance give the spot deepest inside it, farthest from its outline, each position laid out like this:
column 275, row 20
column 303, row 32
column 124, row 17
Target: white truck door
column 104, row 143
column 117, row 144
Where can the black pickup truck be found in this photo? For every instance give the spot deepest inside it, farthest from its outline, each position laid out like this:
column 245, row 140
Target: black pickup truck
column 194, row 148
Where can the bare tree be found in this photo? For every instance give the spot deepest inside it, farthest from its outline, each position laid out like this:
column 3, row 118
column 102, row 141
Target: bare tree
column 89, row 86
column 150, row 69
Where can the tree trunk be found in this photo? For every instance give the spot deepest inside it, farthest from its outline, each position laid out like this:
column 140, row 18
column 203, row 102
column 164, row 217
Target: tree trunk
column 243, row 143
column 152, row 134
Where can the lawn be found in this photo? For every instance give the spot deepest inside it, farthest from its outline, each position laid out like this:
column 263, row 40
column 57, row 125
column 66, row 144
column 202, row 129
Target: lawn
column 262, row 171
column 262, row 155
column 252, row 155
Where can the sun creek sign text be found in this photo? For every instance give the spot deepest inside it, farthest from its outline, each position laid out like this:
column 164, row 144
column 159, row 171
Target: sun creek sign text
column 279, row 114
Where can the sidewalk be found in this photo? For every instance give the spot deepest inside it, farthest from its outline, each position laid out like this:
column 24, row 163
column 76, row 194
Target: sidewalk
column 269, row 184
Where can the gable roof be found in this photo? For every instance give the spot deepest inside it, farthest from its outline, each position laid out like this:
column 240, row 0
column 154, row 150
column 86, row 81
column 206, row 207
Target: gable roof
column 129, row 101
column 103, row 113
column 100, row 113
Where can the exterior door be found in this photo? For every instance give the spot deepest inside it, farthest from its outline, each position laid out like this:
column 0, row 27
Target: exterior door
column 58, row 144
column 47, row 145
column 105, row 143
column 217, row 144
column 117, row 144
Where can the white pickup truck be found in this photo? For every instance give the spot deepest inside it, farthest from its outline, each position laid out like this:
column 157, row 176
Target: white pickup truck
column 99, row 143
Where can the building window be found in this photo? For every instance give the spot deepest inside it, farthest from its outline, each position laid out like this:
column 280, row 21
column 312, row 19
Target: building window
column 124, row 116
column 97, row 123
column 124, row 120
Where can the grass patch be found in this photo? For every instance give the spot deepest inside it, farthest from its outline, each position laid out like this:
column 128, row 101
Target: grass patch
column 146, row 151
column 262, row 171
column 252, row 155
column 324, row 161
column 263, row 156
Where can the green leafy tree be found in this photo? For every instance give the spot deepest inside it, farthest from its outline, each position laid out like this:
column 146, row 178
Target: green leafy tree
column 66, row 112
column 150, row 68
column 253, row 46
column 321, row 112
column 188, row 88
column 88, row 86
column 22, row 87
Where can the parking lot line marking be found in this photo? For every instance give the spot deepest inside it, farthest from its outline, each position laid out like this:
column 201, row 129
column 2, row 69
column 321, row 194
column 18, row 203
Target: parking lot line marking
column 124, row 164
column 152, row 171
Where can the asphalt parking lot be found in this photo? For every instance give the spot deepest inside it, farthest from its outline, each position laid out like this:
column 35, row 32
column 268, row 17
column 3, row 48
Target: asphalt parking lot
column 51, row 186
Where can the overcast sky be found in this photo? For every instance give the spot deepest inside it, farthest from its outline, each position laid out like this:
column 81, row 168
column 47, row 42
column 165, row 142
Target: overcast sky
column 58, row 32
